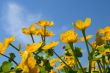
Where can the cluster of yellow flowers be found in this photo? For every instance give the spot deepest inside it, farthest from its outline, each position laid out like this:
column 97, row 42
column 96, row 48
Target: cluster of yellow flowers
column 38, row 57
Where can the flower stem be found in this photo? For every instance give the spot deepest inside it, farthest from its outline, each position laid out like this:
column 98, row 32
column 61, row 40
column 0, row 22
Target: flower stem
column 14, row 47
column 72, row 48
column 99, row 67
column 32, row 38
column 61, row 59
column 9, row 58
column 86, row 42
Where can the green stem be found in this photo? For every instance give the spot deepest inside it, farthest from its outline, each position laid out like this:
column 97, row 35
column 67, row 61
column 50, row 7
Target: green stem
column 32, row 38
column 99, row 67
column 61, row 59
column 86, row 42
column 72, row 48
column 9, row 58
column 44, row 39
column 14, row 47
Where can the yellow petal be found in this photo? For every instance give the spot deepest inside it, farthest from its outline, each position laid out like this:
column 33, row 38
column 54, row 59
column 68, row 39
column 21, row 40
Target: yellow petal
column 79, row 24
column 50, row 45
column 87, row 38
column 34, row 47
column 87, row 22
column 32, row 28
column 25, row 31
column 31, row 62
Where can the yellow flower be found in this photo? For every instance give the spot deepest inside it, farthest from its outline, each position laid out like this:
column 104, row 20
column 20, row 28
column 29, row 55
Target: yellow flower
column 50, row 45
column 70, row 60
column 93, row 64
column 31, row 62
column 82, row 25
column 105, row 33
column 93, row 44
column 99, row 39
column 31, row 30
column 60, row 66
column 34, row 70
column 69, row 36
column 53, row 61
column 34, row 47
column 52, row 71
column 27, row 63
column 40, row 32
column 1, row 48
column 105, row 52
column 105, row 30
column 9, row 40
column 45, row 23
column 87, row 38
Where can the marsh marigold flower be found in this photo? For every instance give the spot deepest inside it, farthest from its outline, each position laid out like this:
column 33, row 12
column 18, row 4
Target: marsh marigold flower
column 28, row 63
column 87, row 38
column 52, row 71
column 50, row 45
column 5, row 44
column 34, row 47
column 53, row 61
column 1, row 48
column 105, row 32
column 45, row 23
column 93, row 64
column 82, row 25
column 69, row 37
column 9, row 40
column 31, row 30
column 40, row 32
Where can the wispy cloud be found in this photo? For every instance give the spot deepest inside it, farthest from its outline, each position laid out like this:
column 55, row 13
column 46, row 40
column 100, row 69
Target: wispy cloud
column 16, row 17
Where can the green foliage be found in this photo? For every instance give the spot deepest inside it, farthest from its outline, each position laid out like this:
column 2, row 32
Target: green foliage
column 78, row 52
column 43, row 70
column 12, row 56
column 6, row 66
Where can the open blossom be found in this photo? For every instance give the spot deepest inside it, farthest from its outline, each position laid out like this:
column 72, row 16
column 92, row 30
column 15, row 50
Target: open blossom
column 31, row 30
column 82, row 25
column 53, row 61
column 105, row 32
column 50, row 45
column 69, row 37
column 28, row 63
column 87, row 38
column 34, row 47
column 40, row 32
column 52, row 71
column 45, row 23
column 6, row 43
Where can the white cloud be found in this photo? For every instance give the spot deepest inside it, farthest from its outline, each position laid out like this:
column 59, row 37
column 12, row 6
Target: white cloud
column 15, row 18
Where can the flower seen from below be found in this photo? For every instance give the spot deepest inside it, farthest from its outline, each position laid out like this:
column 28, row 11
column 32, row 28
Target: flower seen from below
column 69, row 37
column 34, row 47
column 40, row 32
column 87, row 38
column 50, row 45
column 6, row 43
column 82, row 25
column 31, row 30
column 45, row 23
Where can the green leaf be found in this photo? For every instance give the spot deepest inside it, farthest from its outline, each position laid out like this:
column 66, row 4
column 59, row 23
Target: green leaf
column 49, row 52
column 95, row 72
column 6, row 66
column 18, row 70
column 42, row 70
column 12, row 56
column 47, row 65
column 78, row 52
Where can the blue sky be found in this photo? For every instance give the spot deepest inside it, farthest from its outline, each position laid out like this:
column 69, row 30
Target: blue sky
column 15, row 14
